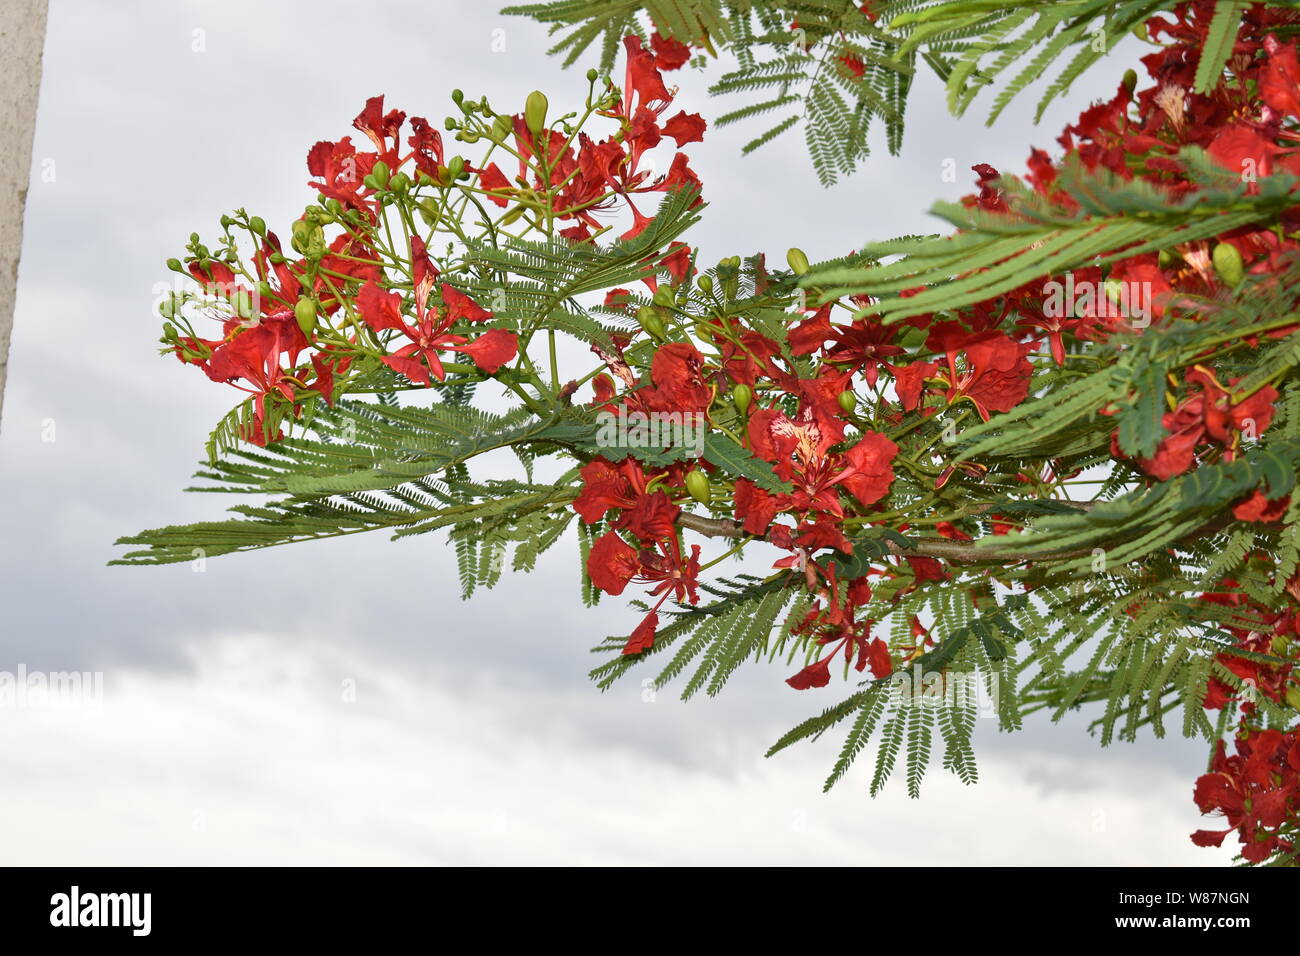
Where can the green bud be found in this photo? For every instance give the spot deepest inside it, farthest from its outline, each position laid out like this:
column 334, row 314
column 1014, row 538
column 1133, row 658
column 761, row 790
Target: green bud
column 592, row 75
column 457, row 97
column 706, row 284
column 258, row 225
column 1130, row 80
column 664, row 297
column 697, row 484
column 848, row 401
column 798, row 261
column 400, row 182
column 305, row 313
column 1167, row 258
column 1114, row 290
column 535, row 112
column 1228, row 264
column 743, row 396
column 652, row 322
column 175, row 265
column 381, row 171
column 242, row 303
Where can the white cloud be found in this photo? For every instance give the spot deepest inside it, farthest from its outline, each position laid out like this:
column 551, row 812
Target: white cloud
column 255, row 758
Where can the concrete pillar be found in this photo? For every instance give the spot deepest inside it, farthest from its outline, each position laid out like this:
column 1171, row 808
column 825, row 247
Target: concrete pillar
column 22, row 40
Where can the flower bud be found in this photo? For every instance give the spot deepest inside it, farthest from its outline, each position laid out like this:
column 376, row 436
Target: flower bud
column 1130, row 80
column 305, row 313
column 535, row 112
column 258, row 225
column 697, row 484
column 848, row 401
column 706, row 284
column 650, row 319
column 798, row 261
column 175, row 266
column 1114, row 290
column 664, row 297
column 592, row 74
column 381, row 171
column 1228, row 264
column 242, row 303
column 742, row 395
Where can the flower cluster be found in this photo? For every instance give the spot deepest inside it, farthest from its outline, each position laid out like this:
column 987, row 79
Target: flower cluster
column 827, row 422
column 360, row 283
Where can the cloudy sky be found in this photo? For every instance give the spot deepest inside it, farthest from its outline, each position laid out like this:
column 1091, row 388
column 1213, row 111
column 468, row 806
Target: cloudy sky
column 227, row 732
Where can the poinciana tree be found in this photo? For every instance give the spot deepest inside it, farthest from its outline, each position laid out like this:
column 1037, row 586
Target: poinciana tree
column 1049, row 455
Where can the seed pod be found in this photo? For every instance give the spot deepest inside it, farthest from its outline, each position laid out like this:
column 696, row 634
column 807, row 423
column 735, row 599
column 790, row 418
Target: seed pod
column 798, row 261
column 848, row 401
column 697, row 484
column 535, row 112
column 1228, row 264
column 742, row 395
column 305, row 313
column 652, row 322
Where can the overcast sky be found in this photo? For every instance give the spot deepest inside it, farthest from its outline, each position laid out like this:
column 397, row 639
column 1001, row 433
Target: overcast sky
column 224, row 735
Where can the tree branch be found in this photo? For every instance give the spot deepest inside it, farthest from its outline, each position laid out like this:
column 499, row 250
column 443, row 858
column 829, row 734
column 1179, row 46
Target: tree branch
column 944, row 549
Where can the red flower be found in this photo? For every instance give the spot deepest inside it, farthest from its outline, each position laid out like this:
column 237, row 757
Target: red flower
column 869, row 472
column 429, row 335
column 677, row 371
column 995, row 377
column 686, row 128
column 612, row 563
